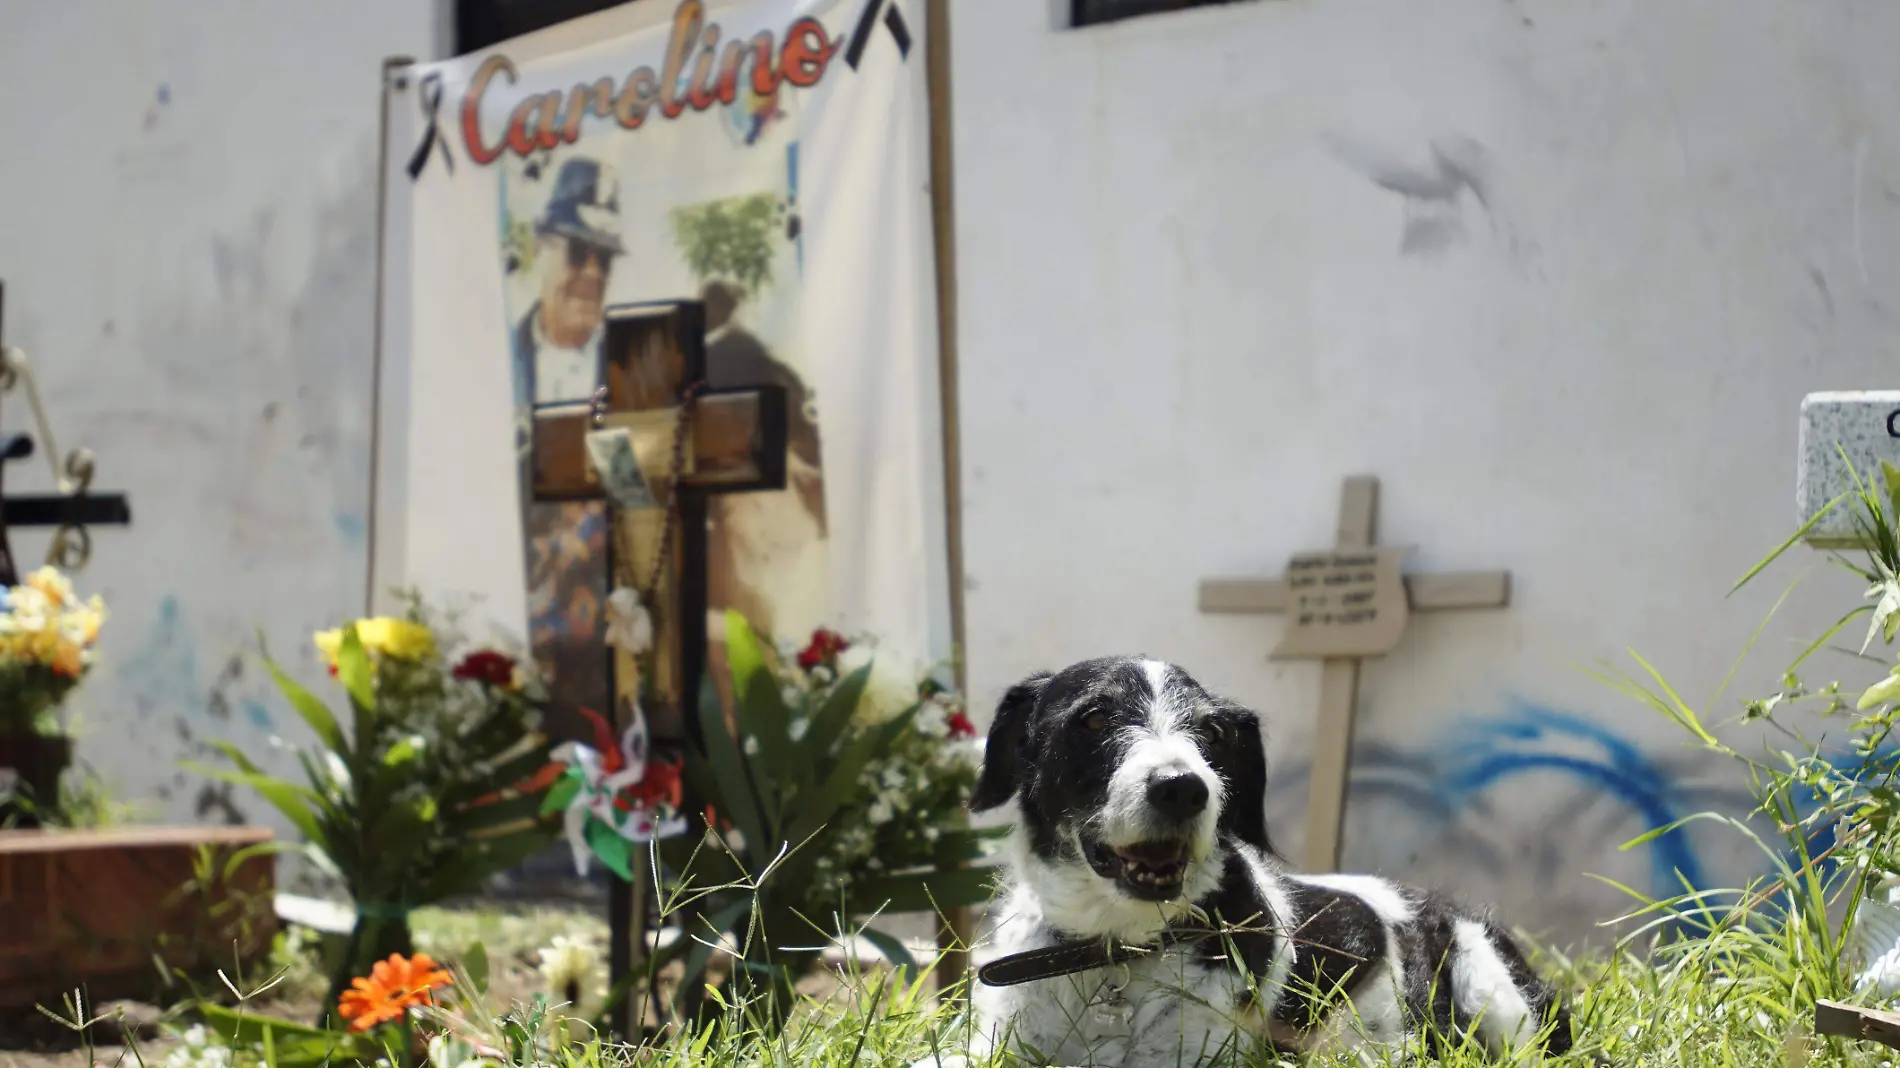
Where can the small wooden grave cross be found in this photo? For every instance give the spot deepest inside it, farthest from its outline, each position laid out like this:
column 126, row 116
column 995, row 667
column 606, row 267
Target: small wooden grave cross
column 1856, row 1022
column 652, row 374
column 1346, row 603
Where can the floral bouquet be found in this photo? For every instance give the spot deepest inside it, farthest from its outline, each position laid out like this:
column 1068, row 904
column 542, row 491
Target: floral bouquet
column 839, row 798
column 910, row 794
column 46, row 643
column 433, row 787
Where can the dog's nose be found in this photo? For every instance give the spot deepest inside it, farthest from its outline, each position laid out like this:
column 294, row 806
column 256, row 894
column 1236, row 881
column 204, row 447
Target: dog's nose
column 1181, row 795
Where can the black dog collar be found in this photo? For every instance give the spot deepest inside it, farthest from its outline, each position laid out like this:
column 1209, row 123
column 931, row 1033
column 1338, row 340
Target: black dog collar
column 1078, row 955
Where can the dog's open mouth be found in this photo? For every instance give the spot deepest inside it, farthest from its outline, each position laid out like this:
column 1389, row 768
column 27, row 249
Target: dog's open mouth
column 1152, row 871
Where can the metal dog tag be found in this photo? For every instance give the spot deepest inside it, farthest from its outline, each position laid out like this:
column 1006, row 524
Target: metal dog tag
column 1110, row 1010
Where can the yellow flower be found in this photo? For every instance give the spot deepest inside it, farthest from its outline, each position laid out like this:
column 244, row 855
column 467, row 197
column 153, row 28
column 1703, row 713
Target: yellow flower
column 391, row 637
column 57, row 587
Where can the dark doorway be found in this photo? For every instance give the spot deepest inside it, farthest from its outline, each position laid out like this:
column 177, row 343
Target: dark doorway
column 481, row 23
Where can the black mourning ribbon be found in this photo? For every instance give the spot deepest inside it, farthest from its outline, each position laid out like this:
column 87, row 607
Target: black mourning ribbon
column 429, row 92
column 867, row 21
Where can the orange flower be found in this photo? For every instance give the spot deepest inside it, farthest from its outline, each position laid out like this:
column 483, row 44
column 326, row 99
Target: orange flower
column 391, row 987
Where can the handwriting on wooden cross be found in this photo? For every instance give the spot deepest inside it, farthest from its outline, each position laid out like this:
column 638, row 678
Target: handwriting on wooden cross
column 654, row 361
column 1346, row 604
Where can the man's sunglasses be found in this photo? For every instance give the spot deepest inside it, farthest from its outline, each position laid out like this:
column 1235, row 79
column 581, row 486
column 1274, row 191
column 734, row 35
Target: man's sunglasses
column 579, row 252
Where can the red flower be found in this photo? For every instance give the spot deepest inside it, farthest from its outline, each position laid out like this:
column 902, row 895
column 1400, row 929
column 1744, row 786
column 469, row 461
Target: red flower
column 487, row 666
column 960, row 725
column 825, row 647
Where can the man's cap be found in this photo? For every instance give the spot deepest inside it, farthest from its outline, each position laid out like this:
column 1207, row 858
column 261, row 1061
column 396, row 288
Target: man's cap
column 585, row 205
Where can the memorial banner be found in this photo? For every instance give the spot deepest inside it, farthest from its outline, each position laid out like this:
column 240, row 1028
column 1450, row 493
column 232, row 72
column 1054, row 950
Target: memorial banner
column 767, row 158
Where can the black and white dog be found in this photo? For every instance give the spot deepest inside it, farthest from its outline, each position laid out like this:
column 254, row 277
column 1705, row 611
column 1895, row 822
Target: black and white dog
column 1146, row 919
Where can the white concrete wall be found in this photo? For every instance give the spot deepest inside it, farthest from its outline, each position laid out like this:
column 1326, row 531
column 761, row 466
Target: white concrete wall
column 1188, row 309
column 187, row 231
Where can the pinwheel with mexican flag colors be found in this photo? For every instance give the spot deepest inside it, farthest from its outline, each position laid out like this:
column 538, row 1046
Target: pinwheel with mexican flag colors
column 613, row 796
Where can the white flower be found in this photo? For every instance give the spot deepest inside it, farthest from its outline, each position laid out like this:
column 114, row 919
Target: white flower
column 789, row 694
column 797, row 728
column 629, row 625
column 892, row 687
column 752, row 745
column 881, row 811
column 933, row 721
column 566, row 961
column 339, row 771
column 198, row 1051
column 893, row 778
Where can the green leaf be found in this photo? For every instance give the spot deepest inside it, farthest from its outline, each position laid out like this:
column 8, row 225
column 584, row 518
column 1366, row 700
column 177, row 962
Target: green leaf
column 355, row 672
column 1799, row 533
column 894, row 951
column 832, row 719
column 475, row 963
column 291, row 800
column 761, row 713
column 404, row 751
column 294, row 1045
column 1887, row 689
column 468, row 867
column 236, row 755
column 311, row 710
column 842, row 784
column 931, row 891
column 733, row 796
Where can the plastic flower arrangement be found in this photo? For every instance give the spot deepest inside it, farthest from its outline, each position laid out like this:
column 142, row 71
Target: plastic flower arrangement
column 836, row 794
column 909, row 794
column 47, row 636
column 430, row 789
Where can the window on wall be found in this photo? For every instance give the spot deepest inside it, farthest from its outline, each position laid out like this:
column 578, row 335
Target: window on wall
column 1094, row 12
column 481, row 23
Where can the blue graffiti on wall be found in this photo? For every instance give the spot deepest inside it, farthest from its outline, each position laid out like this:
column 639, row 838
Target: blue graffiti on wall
column 1456, row 779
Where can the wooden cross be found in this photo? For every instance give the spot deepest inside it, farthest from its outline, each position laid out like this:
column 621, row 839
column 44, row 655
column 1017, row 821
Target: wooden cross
column 653, row 360
column 1347, row 604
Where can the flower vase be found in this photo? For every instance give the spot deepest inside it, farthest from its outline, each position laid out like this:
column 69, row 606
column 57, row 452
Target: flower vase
column 378, row 933
column 30, row 769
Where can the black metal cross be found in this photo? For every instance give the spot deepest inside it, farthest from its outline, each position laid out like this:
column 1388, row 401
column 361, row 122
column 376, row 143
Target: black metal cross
column 71, row 512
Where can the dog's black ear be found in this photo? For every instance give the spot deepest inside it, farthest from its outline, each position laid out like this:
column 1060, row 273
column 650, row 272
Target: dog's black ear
column 1244, row 767
column 1002, row 750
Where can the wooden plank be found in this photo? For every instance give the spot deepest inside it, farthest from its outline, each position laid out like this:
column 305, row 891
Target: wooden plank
column 1853, row 1021
column 1332, row 761
column 18, row 843
column 1459, row 589
column 1358, row 512
column 959, row 927
column 1426, row 593
column 730, row 431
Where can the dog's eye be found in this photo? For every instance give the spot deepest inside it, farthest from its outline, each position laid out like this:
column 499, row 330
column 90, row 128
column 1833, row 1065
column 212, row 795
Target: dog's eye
column 1219, row 732
column 1095, row 721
